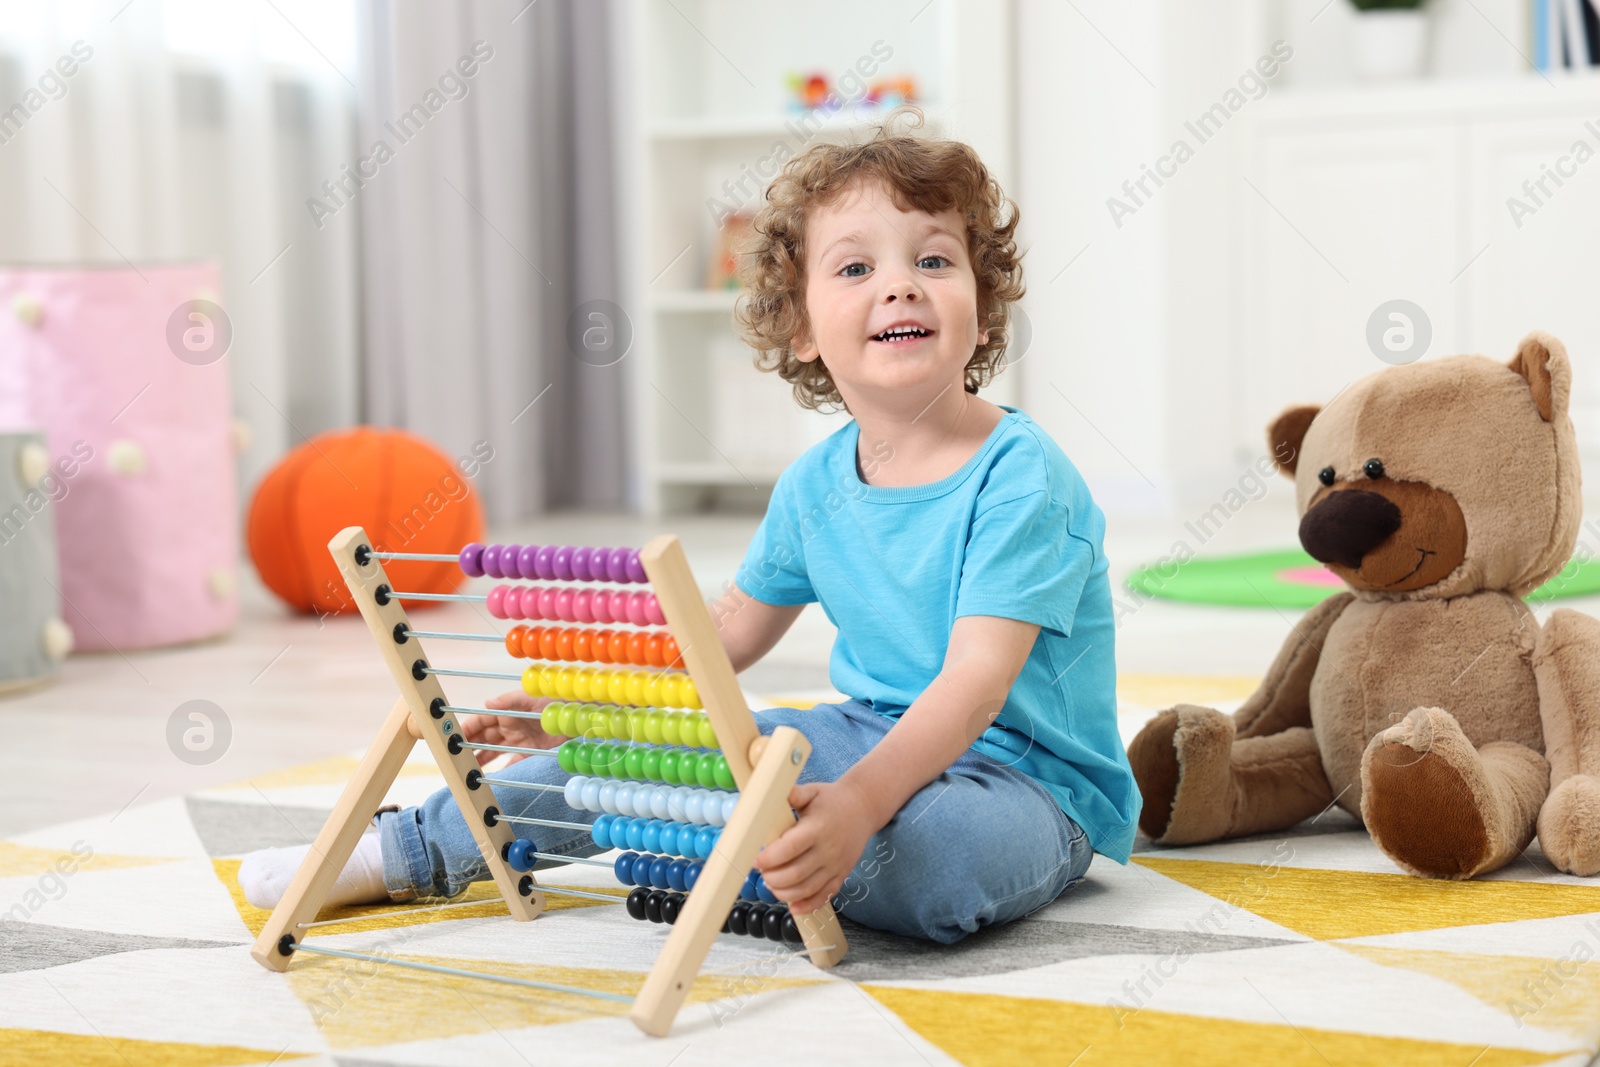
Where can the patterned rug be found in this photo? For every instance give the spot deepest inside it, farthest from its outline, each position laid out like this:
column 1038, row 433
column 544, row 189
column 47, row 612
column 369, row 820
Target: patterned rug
column 127, row 944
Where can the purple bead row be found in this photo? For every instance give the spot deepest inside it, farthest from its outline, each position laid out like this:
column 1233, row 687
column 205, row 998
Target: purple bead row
column 553, row 563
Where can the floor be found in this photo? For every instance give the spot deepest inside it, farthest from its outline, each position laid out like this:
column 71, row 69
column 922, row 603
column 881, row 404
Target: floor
column 292, row 689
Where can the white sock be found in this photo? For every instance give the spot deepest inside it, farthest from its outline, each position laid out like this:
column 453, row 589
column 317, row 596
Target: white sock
column 265, row 875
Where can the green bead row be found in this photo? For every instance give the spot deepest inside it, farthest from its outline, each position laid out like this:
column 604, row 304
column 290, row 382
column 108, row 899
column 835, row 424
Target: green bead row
column 640, row 763
column 654, row 726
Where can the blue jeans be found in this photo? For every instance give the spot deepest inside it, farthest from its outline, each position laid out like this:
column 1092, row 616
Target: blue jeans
column 981, row 844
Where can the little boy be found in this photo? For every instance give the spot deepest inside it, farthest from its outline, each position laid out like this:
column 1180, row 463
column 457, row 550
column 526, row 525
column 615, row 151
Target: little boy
column 976, row 767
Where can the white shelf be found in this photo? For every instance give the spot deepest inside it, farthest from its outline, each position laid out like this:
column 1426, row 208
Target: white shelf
column 716, row 472
column 696, row 300
column 765, row 127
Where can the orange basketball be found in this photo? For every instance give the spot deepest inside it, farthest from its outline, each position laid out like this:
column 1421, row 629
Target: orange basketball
column 407, row 494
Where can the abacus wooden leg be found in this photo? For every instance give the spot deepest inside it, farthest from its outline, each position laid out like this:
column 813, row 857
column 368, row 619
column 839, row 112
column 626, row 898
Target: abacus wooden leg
column 763, row 813
column 336, row 841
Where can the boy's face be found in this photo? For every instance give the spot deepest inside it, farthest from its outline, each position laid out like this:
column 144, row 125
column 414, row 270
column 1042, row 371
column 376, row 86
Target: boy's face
column 871, row 267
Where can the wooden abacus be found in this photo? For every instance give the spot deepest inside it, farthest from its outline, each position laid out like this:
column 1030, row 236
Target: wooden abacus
column 764, row 769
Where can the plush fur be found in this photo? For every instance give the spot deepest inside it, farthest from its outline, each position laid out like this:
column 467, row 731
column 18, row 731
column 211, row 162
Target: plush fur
column 1428, row 699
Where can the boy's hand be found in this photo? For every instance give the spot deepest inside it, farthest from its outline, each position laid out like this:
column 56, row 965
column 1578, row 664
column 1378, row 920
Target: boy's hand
column 808, row 864
column 503, row 730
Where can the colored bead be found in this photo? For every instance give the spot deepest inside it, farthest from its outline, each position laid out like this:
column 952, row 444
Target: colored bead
column 633, row 837
column 497, row 601
column 671, row 908
column 756, row 922
column 708, row 735
column 636, row 609
column 471, row 560
column 655, row 804
column 617, row 687
column 791, row 930
column 565, row 757
column 654, row 647
column 633, row 764
column 572, row 792
column 772, row 924
column 561, row 563
column 564, row 605
column 652, row 726
column 692, row 802
column 525, row 558
column 636, row 568
column 514, row 641
column 600, row 832
column 636, row 901
column 691, row 874
column 583, row 646
column 607, row 797
column 580, row 565
column 617, row 565
column 581, row 757
column 651, row 765
column 668, row 838
column 705, row 842
column 669, row 766
column 508, row 561
column 583, row 606
column 652, row 611
column 669, row 727
column 689, row 768
column 520, row 855
column 636, row 649
column 634, row 687
column 675, row 804
column 763, row 893
column 623, row 867
column 671, row 689
column 706, row 771
column 738, row 916
column 541, row 563
column 729, row 802
column 590, row 796
column 652, row 689
column 652, row 905
column 491, row 562
column 625, row 791
column 675, row 871
column 652, row 836
column 658, row 872
column 547, row 604
column 747, row 891
column 723, row 776
column 689, row 694
column 618, row 723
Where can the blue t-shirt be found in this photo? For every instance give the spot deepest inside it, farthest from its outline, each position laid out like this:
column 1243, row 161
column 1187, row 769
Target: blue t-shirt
column 1014, row 533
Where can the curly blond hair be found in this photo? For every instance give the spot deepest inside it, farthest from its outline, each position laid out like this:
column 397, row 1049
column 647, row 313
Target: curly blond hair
column 921, row 174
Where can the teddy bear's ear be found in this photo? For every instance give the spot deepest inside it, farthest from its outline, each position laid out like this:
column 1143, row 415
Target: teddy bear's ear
column 1542, row 360
column 1285, row 433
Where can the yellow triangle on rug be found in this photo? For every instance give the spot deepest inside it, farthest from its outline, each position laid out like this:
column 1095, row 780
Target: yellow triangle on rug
column 1330, row 904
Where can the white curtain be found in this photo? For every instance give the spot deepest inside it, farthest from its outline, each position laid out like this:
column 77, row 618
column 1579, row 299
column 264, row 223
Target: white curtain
column 488, row 227
column 187, row 130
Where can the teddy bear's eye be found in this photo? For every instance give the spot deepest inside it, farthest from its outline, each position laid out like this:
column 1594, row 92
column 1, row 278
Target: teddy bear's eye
column 1373, row 468
column 1325, row 476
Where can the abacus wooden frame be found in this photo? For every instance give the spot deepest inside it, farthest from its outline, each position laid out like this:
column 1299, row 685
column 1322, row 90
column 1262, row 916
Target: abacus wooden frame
column 764, row 769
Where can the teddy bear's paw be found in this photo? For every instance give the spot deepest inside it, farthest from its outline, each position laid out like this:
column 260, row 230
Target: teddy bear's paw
column 1424, row 796
column 1181, row 762
column 1569, row 825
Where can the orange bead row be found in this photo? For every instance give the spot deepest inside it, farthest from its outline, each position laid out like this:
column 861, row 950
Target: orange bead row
column 655, row 648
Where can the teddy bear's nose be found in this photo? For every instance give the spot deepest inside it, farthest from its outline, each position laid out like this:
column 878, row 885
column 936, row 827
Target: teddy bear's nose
column 1347, row 525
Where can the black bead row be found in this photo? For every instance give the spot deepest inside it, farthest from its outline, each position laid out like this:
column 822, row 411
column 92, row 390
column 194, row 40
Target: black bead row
column 749, row 917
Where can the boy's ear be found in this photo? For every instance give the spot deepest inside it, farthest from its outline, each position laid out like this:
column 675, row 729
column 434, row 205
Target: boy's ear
column 1286, row 432
column 805, row 349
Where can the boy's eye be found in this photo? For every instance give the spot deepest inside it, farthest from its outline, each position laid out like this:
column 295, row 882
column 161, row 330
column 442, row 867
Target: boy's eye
column 933, row 262
column 854, row 270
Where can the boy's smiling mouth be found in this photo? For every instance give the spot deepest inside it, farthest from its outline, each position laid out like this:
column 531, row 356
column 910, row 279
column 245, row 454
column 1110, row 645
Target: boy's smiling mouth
column 902, row 333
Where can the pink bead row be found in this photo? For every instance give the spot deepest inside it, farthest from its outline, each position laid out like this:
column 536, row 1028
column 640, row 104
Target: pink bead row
column 575, row 605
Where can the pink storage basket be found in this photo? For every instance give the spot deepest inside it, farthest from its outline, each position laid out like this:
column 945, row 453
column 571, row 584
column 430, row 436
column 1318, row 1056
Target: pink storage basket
column 130, row 385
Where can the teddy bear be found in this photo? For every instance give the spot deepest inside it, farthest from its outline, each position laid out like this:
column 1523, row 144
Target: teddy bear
column 1427, row 699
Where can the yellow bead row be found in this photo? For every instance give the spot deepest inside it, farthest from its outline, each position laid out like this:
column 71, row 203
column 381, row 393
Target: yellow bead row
column 660, row 689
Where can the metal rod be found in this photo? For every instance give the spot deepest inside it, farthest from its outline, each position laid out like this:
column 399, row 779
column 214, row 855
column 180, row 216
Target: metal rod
column 457, row 972
column 542, row 888
column 545, row 822
column 428, row 557
column 491, row 711
column 511, row 748
column 573, row 859
column 472, row 674
column 440, row 596
column 523, row 785
column 454, row 637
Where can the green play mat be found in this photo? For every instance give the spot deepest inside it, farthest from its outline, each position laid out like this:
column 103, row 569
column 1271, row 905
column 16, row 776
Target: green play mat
column 1292, row 579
